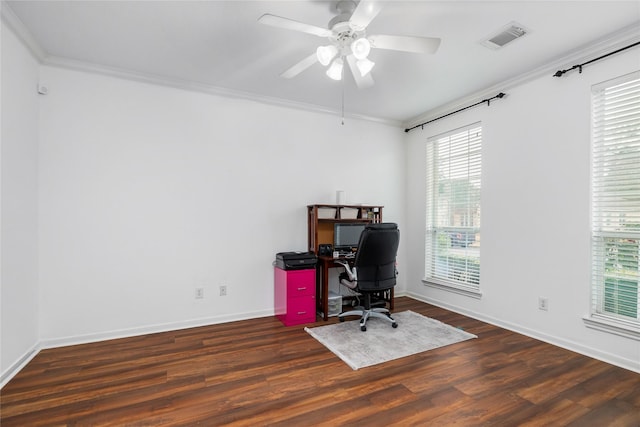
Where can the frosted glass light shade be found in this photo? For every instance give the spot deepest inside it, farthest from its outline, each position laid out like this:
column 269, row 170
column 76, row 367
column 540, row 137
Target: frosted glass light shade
column 335, row 70
column 326, row 53
column 365, row 66
column 361, row 48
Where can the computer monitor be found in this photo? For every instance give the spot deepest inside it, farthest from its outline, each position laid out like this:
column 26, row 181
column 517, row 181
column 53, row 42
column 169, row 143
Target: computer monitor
column 346, row 235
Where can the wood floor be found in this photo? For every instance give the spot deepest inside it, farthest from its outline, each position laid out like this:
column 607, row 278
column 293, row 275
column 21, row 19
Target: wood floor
column 259, row 373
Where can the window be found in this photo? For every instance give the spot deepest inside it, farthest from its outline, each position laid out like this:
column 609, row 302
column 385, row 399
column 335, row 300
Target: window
column 616, row 203
column 454, row 166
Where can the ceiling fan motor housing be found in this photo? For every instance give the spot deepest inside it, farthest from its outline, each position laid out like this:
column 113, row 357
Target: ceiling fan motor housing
column 343, row 33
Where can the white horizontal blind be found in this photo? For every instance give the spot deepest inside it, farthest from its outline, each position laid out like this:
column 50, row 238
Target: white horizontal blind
column 616, row 201
column 452, row 241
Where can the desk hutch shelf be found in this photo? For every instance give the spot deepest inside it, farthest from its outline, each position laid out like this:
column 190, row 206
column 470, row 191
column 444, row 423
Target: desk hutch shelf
column 321, row 218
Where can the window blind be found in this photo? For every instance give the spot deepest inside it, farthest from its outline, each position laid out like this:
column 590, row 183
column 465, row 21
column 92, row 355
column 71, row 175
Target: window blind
column 452, row 241
column 616, row 201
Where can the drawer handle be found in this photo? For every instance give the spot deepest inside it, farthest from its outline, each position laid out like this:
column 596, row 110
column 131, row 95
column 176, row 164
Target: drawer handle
column 302, row 289
column 302, row 312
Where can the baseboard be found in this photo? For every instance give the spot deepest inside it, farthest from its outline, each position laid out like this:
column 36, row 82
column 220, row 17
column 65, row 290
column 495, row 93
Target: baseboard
column 19, row 364
column 151, row 329
column 632, row 365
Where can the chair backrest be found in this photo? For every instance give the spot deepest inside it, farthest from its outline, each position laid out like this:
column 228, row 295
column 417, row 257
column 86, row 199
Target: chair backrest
column 376, row 257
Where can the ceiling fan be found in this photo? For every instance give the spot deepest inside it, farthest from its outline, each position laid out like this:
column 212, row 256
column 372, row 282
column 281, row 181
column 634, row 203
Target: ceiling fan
column 348, row 40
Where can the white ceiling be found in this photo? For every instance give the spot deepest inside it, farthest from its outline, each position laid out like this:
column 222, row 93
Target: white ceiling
column 219, row 45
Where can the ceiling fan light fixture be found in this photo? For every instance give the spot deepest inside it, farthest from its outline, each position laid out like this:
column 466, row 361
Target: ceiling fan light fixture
column 364, row 66
column 326, row 53
column 335, row 70
column 361, row 48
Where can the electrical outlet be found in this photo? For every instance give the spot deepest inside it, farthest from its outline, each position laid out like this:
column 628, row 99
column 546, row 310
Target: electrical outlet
column 199, row 293
column 543, row 304
column 223, row 290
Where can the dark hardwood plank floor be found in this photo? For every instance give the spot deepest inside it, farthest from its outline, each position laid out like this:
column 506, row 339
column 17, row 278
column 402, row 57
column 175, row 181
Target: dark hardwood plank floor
column 258, row 373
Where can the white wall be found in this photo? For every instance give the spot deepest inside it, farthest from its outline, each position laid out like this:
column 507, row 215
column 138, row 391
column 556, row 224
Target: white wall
column 18, row 227
column 119, row 198
column 147, row 192
column 535, row 211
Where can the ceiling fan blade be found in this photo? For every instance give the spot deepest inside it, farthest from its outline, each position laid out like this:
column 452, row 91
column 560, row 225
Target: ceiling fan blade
column 300, row 66
column 361, row 82
column 366, row 11
column 290, row 24
column 405, row 43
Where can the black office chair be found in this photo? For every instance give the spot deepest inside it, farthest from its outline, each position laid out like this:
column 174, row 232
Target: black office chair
column 373, row 272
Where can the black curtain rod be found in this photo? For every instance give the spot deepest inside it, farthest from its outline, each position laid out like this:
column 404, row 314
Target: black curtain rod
column 488, row 101
column 560, row 73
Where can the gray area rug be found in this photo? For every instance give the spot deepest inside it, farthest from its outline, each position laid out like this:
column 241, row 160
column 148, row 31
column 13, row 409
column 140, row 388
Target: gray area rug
column 380, row 343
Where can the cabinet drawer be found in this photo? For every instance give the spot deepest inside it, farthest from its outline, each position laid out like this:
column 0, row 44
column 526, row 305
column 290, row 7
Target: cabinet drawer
column 301, row 282
column 301, row 310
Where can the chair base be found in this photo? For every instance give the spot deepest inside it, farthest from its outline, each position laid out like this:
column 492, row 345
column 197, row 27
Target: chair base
column 379, row 313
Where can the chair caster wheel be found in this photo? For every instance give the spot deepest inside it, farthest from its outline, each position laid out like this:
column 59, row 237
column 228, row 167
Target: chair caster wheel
column 363, row 328
column 394, row 325
column 341, row 319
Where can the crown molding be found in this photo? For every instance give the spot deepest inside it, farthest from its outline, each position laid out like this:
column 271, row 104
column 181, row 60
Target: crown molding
column 75, row 65
column 21, row 31
column 616, row 40
column 12, row 21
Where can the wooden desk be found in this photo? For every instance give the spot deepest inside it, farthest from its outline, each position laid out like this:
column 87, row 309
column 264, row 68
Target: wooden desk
column 322, row 283
column 321, row 219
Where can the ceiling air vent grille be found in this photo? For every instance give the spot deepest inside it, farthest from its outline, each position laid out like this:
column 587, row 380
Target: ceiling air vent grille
column 506, row 35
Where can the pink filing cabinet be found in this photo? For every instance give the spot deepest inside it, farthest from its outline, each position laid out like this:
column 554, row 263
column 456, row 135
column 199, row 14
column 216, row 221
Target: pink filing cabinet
column 295, row 296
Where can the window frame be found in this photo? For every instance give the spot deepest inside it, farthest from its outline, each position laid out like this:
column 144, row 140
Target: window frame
column 610, row 241
column 434, row 232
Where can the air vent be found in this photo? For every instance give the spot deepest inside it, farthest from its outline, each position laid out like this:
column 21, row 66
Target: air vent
column 505, row 36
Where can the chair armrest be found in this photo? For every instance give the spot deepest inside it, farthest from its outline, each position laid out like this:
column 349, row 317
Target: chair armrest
column 351, row 273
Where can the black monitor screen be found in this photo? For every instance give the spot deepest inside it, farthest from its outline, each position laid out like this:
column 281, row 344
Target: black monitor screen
column 346, row 235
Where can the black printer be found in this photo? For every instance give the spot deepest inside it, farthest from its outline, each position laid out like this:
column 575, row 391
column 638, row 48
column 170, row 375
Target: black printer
column 296, row 260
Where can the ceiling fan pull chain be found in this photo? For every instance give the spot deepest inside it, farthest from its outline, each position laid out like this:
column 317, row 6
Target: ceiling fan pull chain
column 342, row 81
